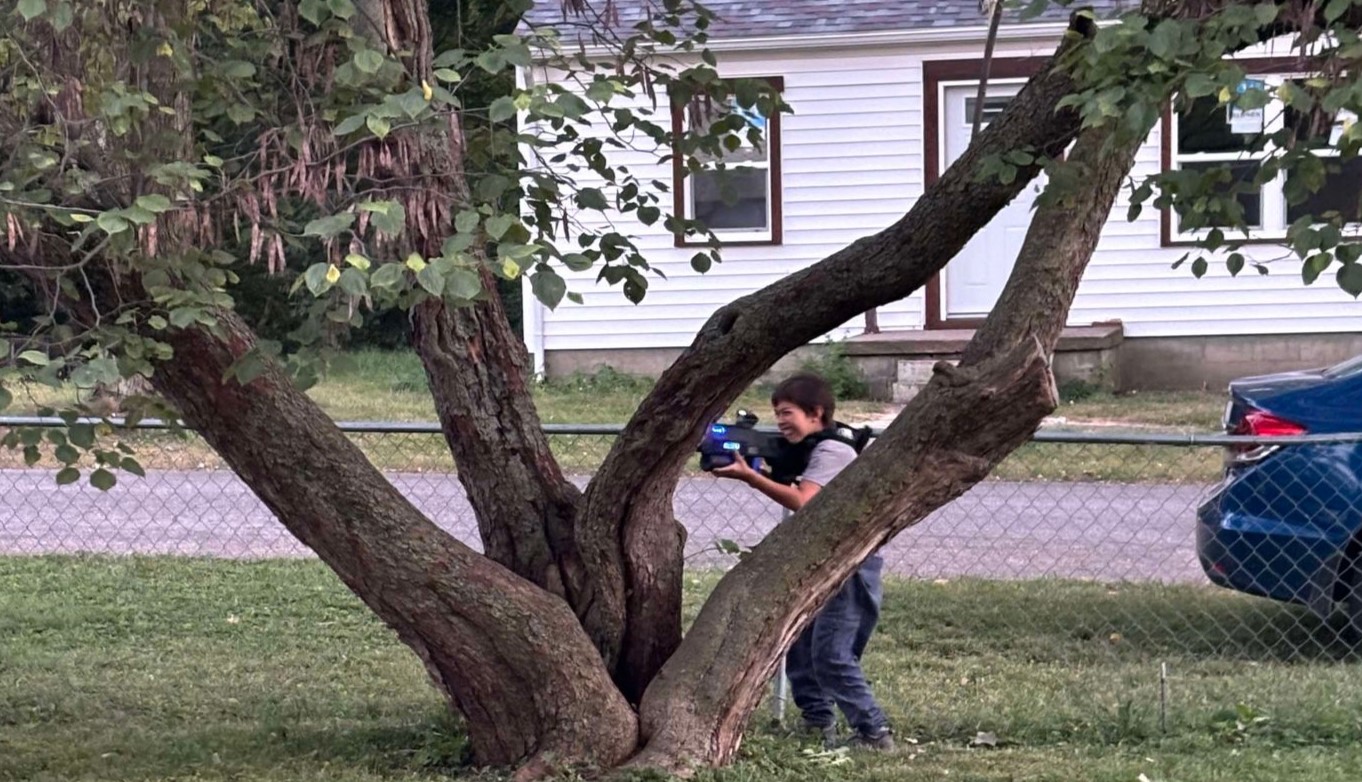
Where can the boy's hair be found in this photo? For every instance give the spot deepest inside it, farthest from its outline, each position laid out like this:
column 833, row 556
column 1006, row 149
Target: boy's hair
column 807, row 391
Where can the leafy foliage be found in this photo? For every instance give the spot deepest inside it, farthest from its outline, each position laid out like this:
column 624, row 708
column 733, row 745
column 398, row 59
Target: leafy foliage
column 226, row 136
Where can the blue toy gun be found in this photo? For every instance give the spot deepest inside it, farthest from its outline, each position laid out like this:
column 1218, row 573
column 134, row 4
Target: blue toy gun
column 723, row 441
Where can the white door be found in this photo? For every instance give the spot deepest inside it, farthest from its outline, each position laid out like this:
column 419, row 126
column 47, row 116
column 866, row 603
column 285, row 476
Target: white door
column 973, row 279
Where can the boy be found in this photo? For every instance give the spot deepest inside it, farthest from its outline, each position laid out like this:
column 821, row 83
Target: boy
column 824, row 664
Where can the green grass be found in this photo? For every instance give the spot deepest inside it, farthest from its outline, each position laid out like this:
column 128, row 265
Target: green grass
column 150, row 669
column 387, row 386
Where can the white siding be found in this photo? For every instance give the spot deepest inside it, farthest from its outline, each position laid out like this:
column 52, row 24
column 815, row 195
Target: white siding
column 852, row 159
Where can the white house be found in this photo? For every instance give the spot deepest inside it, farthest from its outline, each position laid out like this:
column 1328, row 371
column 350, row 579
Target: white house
column 882, row 95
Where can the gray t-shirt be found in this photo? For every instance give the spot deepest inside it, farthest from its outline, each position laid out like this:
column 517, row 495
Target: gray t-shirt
column 828, row 458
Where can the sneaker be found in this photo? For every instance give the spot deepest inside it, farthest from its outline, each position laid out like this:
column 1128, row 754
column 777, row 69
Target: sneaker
column 881, row 740
column 826, row 732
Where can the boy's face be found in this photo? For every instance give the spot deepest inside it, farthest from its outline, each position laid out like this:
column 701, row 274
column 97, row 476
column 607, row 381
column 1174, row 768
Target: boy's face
column 795, row 424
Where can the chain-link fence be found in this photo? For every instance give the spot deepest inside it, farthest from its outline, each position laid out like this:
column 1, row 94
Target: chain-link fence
column 1224, row 545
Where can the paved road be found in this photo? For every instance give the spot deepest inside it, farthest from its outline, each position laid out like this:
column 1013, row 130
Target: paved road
column 998, row 529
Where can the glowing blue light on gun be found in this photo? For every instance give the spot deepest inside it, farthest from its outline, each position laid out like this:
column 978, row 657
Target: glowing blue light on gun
column 730, row 446
column 719, row 429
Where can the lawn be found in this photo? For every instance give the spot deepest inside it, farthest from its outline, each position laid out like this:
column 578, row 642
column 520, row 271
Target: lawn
column 151, row 669
column 382, row 386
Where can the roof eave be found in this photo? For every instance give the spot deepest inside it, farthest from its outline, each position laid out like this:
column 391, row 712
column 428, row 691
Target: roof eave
column 1040, row 31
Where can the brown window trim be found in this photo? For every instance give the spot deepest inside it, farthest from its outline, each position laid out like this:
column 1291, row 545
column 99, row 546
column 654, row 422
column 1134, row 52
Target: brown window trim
column 933, row 73
column 1252, row 66
column 777, row 187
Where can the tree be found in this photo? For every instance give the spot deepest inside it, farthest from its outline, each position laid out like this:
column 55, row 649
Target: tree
column 145, row 140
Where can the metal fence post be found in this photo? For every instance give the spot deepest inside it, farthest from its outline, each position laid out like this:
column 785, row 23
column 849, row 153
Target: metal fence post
column 781, row 683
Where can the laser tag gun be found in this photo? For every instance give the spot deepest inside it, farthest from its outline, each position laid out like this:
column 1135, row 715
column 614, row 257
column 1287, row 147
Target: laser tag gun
column 722, row 441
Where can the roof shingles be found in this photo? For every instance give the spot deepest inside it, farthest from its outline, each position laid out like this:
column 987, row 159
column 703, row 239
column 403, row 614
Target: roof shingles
column 768, row 18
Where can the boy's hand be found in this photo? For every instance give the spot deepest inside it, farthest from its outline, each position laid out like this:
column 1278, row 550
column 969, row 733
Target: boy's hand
column 738, row 470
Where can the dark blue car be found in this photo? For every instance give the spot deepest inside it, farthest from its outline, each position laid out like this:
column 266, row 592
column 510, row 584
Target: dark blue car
column 1286, row 521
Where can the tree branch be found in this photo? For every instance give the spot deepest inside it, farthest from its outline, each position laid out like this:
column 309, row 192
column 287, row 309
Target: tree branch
column 947, row 439
column 627, row 520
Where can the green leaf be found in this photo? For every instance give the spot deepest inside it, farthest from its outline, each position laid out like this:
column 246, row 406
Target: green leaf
column 1266, row 13
column 61, row 16
column 111, row 223
column 431, row 279
column 1314, row 266
column 577, row 262
column 34, row 357
column 379, row 126
column 502, row 109
column 315, row 278
column 1199, row 267
column 412, row 103
column 183, row 317
column 368, row 61
column 448, row 75
column 358, row 261
column 592, row 198
column 131, row 465
column 66, row 454
column 350, row 124
column 463, row 283
column 1235, row 263
column 238, row 69
column 390, row 217
column 353, row 282
column 1350, row 279
column 68, row 475
column 467, row 221
column 329, row 227
column 388, row 276
column 312, row 10
column 240, row 113
column 153, row 202
column 102, row 479
column 157, row 322
column 548, row 287
column 498, row 226
column 81, row 435
column 31, row 9
column 342, row 9
column 6, row 398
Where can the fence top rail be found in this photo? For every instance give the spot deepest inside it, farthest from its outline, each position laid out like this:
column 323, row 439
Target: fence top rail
column 1075, row 437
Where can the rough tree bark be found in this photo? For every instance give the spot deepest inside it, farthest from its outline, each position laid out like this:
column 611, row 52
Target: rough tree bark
column 474, row 362
column 512, row 657
column 626, row 526
column 947, row 439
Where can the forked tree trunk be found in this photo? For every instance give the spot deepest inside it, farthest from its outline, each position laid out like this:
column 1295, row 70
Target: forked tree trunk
column 626, row 529
column 948, row 438
column 512, row 657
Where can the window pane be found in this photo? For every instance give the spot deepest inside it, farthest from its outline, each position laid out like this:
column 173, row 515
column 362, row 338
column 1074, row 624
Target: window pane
column 1251, row 199
column 732, row 200
column 1339, row 193
column 745, row 152
column 1205, row 127
column 993, row 107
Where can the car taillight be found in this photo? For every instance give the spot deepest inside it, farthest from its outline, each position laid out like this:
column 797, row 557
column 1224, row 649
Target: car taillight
column 1257, row 423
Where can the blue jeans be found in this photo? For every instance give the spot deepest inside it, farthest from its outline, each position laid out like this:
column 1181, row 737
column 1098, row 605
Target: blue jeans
column 824, row 665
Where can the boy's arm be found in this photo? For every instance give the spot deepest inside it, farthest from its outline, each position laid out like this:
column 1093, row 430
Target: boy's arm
column 792, row 497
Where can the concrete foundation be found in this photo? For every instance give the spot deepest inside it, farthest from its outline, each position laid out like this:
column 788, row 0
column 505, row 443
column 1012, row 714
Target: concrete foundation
column 897, row 364
column 1193, row 363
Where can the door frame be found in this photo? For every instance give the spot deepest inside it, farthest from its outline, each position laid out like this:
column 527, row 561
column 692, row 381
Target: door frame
column 936, row 75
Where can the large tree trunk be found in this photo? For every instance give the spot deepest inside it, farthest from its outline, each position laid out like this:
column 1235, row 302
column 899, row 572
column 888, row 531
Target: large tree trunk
column 948, row 438
column 512, row 657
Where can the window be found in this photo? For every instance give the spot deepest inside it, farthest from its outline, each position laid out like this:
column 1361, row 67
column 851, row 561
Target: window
column 740, row 204
column 994, row 105
column 1206, row 136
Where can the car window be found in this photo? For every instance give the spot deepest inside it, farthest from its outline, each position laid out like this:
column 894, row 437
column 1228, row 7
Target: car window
column 1345, row 369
